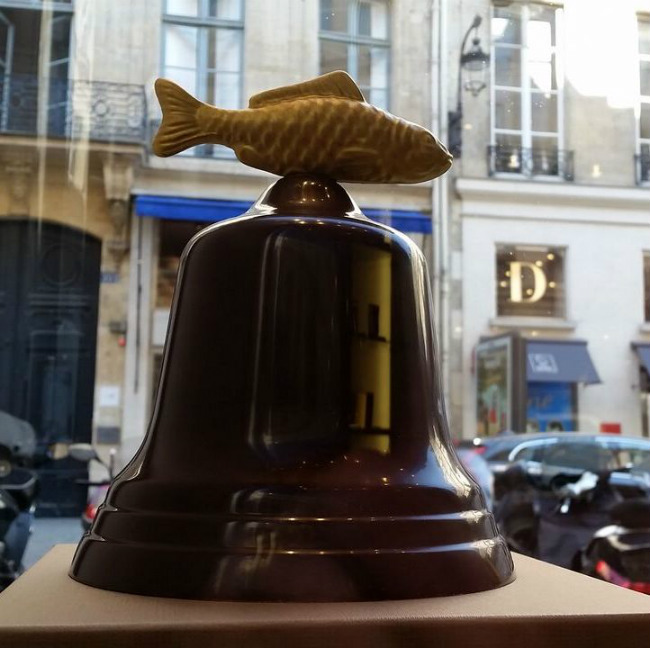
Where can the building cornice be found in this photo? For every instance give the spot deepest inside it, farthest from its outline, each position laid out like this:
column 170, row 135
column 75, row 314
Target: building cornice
column 573, row 202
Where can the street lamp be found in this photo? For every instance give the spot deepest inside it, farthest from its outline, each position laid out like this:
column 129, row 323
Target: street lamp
column 475, row 62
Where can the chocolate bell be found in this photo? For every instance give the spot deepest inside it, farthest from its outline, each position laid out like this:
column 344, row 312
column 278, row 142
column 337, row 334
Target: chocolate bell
column 299, row 448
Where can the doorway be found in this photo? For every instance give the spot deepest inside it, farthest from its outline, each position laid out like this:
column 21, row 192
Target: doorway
column 49, row 296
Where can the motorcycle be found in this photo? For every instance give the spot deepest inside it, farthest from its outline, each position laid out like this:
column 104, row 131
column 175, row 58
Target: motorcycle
column 97, row 489
column 619, row 552
column 18, row 491
column 555, row 524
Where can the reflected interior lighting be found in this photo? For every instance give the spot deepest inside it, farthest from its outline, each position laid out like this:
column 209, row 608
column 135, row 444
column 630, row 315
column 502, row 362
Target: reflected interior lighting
column 534, row 333
column 503, row 284
column 593, row 68
column 551, row 284
column 539, row 264
column 550, row 256
column 529, row 291
column 507, row 273
column 513, row 163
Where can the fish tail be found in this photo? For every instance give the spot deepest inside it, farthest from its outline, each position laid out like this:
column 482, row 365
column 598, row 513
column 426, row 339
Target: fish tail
column 180, row 126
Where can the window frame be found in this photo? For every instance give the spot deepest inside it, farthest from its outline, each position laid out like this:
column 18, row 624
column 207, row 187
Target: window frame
column 353, row 40
column 203, row 23
column 526, row 133
column 642, row 99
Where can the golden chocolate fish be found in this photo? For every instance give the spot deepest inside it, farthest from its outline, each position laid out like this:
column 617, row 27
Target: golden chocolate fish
column 322, row 126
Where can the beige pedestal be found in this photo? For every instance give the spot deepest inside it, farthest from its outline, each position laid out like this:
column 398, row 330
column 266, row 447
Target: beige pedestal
column 545, row 606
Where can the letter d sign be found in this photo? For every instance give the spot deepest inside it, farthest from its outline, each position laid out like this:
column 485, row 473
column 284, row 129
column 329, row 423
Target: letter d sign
column 539, row 282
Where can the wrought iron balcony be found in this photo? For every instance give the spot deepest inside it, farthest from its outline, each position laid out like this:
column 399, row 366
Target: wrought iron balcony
column 642, row 166
column 65, row 108
column 543, row 162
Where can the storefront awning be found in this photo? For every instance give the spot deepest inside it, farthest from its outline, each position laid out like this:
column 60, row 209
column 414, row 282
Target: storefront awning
column 643, row 352
column 212, row 211
column 559, row 361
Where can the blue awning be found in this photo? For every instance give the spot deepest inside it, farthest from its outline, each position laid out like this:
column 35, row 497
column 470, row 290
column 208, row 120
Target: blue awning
column 212, row 211
column 643, row 351
column 559, row 361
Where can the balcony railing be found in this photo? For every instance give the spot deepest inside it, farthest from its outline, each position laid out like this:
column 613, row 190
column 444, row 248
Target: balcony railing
column 65, row 108
column 642, row 166
column 530, row 162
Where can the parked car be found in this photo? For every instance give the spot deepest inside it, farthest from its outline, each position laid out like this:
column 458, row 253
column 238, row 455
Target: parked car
column 550, row 458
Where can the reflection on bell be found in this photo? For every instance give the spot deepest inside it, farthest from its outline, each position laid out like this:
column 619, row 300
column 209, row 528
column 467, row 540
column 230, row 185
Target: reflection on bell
column 299, row 448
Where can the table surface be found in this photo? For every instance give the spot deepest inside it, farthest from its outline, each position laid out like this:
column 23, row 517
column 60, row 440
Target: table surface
column 544, row 606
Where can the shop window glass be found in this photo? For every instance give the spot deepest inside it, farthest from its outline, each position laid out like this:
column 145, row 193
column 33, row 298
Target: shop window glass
column 202, row 52
column 354, row 36
column 530, row 281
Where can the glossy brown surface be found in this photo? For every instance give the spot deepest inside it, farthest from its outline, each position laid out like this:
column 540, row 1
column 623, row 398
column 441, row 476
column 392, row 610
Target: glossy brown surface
column 299, row 449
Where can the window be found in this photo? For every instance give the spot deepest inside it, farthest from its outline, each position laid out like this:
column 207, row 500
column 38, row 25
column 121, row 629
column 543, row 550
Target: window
column 646, row 285
column 643, row 158
column 530, row 281
column 28, row 71
column 527, row 92
column 354, row 36
column 202, row 52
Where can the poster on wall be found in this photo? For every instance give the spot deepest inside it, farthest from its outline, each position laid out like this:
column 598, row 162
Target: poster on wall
column 550, row 407
column 494, row 386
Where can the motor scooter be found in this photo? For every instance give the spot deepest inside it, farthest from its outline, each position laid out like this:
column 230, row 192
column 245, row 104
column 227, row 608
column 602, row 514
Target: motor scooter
column 18, row 491
column 554, row 524
column 619, row 552
column 97, row 489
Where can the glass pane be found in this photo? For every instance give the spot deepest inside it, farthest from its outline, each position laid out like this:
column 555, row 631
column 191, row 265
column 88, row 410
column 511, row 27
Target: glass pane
column 334, row 15
column 224, row 90
column 372, row 19
column 508, row 109
column 225, row 9
column 545, row 158
column 182, row 7
column 645, row 78
column 333, row 56
column 61, row 37
column 541, row 27
column 225, row 49
column 506, row 25
column 506, row 155
column 644, row 35
column 507, row 66
column 377, row 97
column 372, row 64
column 644, row 130
column 184, row 77
column 544, row 112
column 542, row 75
column 181, row 45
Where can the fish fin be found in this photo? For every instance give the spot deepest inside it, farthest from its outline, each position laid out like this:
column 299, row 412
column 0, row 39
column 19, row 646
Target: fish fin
column 249, row 156
column 357, row 164
column 332, row 84
column 179, row 128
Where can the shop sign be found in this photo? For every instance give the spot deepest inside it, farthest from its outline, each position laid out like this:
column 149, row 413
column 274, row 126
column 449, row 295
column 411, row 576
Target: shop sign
column 530, row 281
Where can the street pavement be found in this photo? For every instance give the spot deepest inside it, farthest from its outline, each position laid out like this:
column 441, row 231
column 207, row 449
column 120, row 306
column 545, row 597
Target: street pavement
column 49, row 532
